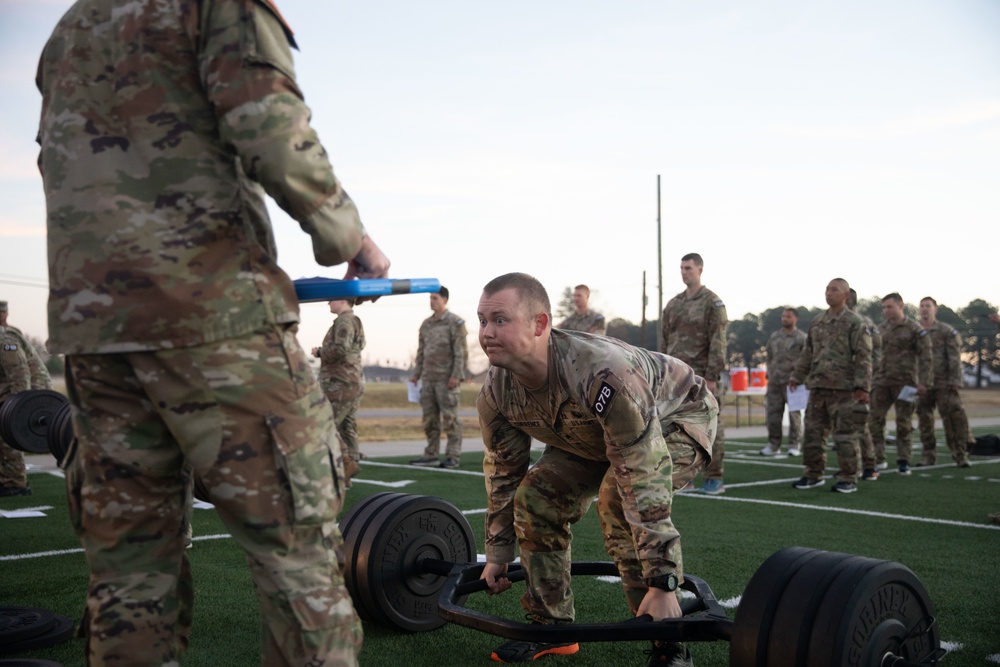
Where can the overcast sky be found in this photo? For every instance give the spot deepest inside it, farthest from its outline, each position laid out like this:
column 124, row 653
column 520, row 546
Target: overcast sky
column 796, row 141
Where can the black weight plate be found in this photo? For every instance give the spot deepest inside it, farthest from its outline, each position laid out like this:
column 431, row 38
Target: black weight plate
column 20, row 623
column 60, row 436
column 345, row 523
column 28, row 662
column 373, row 520
column 792, row 623
column 26, row 422
column 353, row 528
column 409, row 531
column 748, row 645
column 57, row 634
column 7, row 407
column 887, row 609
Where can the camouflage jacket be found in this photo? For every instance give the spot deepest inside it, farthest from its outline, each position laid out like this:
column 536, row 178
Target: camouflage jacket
column 21, row 367
column 876, row 340
column 946, row 348
column 340, row 355
column 837, row 353
column 591, row 322
column 442, row 349
column 694, row 330
column 162, row 127
column 906, row 355
column 608, row 402
column 782, row 351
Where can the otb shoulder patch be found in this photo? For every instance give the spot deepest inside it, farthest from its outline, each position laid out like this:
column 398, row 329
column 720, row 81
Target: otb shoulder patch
column 719, row 304
column 10, row 347
column 604, row 398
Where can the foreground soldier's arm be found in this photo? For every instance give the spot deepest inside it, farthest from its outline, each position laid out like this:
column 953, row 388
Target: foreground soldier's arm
column 638, row 454
column 263, row 117
column 505, row 462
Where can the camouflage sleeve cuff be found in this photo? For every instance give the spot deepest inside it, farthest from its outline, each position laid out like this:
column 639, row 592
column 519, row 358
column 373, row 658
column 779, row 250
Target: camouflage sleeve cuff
column 501, row 554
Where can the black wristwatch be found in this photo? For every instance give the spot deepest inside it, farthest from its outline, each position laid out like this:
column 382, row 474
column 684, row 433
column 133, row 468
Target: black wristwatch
column 666, row 582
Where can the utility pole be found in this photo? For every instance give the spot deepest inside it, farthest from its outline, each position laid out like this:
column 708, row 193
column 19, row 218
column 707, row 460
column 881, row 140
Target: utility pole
column 659, row 250
column 642, row 326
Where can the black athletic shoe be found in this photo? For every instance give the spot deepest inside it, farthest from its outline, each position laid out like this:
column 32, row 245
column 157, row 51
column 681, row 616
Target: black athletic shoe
column 845, row 487
column 426, row 462
column 515, row 651
column 669, row 654
column 807, row 483
column 449, row 463
column 904, row 468
column 15, row 490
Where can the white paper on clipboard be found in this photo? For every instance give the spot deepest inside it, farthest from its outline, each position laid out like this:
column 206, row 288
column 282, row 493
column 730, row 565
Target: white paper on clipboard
column 413, row 391
column 798, row 399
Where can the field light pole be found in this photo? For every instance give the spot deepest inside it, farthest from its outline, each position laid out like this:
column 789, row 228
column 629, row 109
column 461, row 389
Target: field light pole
column 659, row 251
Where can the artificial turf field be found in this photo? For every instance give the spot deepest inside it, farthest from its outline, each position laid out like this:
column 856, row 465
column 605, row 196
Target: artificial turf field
column 933, row 521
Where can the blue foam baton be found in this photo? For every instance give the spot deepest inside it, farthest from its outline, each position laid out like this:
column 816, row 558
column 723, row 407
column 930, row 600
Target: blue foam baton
column 328, row 289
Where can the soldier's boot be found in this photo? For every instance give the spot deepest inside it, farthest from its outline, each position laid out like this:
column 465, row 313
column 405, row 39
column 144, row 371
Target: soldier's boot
column 928, row 458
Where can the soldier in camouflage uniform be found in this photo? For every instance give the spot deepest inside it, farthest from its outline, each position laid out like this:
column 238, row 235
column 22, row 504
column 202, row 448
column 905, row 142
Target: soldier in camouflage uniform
column 162, row 127
column 783, row 349
column 869, row 465
column 946, row 346
column 835, row 364
column 583, row 318
column 906, row 361
column 342, row 377
column 694, row 331
column 620, row 423
column 442, row 355
column 21, row 369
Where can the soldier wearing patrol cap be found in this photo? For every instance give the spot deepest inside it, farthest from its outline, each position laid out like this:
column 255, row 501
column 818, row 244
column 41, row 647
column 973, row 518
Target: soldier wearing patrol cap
column 621, row 423
column 693, row 329
column 342, row 377
column 162, row 127
column 21, row 369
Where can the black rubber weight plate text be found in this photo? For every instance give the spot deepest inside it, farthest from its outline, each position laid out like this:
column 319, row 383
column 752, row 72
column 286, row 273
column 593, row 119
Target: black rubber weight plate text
column 421, row 527
column 354, row 528
column 20, row 623
column 886, row 609
column 791, row 627
column 57, row 634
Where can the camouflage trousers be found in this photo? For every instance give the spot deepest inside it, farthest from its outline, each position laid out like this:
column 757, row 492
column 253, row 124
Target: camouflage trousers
column 883, row 398
column 831, row 410
column 554, row 495
column 12, row 470
column 249, row 419
column 775, row 401
column 440, row 408
column 714, row 469
column 956, row 423
column 345, row 399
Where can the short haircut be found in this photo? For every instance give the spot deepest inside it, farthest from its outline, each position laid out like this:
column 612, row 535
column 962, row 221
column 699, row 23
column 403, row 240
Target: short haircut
column 694, row 257
column 529, row 291
column 894, row 296
column 793, row 311
column 582, row 288
column 929, row 298
column 847, row 285
column 443, row 292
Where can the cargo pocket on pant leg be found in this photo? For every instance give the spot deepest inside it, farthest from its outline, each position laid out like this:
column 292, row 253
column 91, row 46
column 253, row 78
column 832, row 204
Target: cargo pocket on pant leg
column 308, row 455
